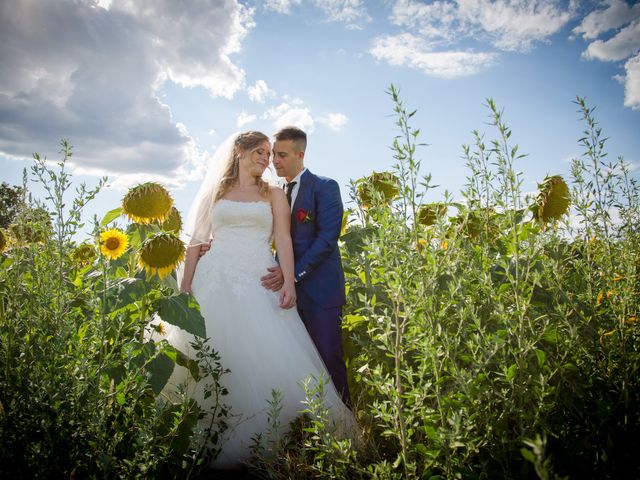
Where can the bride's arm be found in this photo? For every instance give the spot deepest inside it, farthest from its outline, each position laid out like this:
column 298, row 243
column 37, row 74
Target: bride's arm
column 284, row 247
column 190, row 262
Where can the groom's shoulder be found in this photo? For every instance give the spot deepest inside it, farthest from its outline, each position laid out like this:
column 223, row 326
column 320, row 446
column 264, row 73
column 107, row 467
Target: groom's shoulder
column 322, row 180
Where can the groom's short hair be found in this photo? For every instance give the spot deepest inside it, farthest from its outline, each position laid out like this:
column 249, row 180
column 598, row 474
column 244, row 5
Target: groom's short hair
column 295, row 134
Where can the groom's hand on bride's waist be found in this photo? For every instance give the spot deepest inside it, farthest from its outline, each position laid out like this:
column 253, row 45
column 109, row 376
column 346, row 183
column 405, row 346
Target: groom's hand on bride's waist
column 273, row 280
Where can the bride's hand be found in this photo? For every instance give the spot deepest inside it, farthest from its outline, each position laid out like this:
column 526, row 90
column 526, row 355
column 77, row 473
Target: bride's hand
column 184, row 288
column 288, row 296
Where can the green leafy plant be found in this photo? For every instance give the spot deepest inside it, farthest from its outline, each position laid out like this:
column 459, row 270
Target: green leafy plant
column 82, row 375
column 471, row 334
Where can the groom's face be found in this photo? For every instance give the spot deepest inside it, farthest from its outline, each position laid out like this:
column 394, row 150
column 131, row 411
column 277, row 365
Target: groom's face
column 287, row 159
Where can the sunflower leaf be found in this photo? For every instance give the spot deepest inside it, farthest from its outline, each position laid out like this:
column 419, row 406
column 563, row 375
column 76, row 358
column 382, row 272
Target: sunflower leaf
column 160, row 368
column 182, row 311
column 111, row 216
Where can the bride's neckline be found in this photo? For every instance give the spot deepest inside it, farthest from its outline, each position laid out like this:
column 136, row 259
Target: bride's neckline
column 244, row 201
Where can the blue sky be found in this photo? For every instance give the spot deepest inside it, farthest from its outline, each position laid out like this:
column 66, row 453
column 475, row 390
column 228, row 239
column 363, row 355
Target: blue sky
column 146, row 89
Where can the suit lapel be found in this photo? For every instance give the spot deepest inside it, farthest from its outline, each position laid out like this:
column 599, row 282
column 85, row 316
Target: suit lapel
column 304, row 196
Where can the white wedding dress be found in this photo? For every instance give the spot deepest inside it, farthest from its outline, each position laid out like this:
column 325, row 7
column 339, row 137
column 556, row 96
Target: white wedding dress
column 264, row 346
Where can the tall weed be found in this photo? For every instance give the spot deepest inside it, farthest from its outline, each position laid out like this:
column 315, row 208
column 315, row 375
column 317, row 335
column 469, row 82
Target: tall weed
column 471, row 334
column 81, row 381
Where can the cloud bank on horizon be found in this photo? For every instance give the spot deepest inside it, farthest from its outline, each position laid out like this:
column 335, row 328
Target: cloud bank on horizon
column 92, row 70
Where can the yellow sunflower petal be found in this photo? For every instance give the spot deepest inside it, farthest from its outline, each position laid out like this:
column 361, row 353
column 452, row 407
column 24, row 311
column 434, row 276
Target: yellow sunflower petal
column 160, row 328
column 420, row 244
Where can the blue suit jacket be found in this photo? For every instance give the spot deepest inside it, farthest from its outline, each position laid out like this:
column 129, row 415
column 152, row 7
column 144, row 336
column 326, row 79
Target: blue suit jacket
column 318, row 268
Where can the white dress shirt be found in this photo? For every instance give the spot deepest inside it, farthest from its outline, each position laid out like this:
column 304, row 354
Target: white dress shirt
column 296, row 187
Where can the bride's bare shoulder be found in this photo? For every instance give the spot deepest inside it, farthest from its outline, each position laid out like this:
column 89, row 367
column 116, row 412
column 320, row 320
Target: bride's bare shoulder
column 276, row 193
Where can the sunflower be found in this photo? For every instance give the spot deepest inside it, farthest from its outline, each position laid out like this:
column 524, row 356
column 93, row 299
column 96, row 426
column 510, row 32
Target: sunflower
column 384, row 184
column 160, row 328
column 173, row 223
column 113, row 243
column 429, row 213
column 161, row 254
column 147, row 203
column 470, row 224
column 420, row 244
column 552, row 200
column 84, row 254
column 34, row 226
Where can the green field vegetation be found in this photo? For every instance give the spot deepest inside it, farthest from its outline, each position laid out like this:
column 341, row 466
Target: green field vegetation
column 488, row 334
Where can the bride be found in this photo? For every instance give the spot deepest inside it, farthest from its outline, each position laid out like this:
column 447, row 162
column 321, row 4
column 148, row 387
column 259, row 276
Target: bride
column 259, row 336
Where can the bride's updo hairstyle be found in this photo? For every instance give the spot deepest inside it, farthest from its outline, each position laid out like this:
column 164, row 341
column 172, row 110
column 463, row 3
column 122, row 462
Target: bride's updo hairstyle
column 222, row 174
column 245, row 142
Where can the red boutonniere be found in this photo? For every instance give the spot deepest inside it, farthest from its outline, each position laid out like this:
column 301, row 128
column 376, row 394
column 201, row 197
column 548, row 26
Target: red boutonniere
column 303, row 216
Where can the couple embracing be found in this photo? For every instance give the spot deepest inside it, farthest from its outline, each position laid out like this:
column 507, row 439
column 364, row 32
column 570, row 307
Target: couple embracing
column 274, row 323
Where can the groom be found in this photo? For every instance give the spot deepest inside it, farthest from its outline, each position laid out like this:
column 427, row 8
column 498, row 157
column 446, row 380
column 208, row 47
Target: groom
column 316, row 221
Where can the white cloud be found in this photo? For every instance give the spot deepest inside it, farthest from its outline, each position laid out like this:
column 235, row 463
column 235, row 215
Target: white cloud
column 297, row 102
column 624, row 44
column 244, row 118
column 619, row 78
column 431, row 31
column 410, row 51
column 260, row 92
column 103, row 3
column 191, row 170
column 515, row 25
column 280, row 6
column 512, row 25
column 334, row 121
column 616, row 14
column 632, row 83
column 74, row 70
column 350, row 12
column 438, row 21
column 287, row 114
column 194, row 40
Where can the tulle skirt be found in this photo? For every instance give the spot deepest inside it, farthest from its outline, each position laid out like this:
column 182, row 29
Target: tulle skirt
column 265, row 347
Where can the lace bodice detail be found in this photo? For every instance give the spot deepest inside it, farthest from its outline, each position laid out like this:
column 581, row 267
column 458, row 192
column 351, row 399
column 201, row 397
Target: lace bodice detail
column 241, row 246
column 242, row 222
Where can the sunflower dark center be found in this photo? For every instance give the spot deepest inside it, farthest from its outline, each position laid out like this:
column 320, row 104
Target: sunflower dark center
column 112, row 243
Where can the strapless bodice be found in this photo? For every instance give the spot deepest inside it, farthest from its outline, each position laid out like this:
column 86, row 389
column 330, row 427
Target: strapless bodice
column 241, row 221
column 241, row 246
